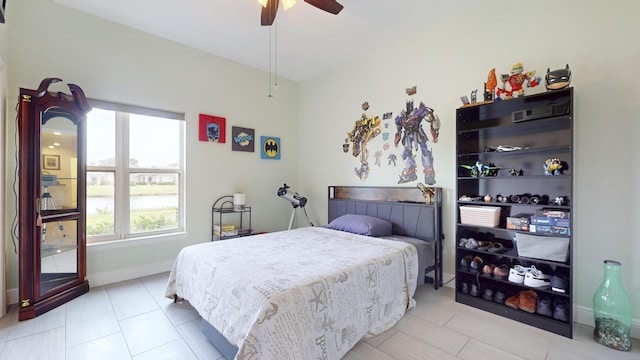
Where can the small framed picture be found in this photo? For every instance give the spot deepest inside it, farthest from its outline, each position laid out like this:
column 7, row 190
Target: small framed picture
column 51, row 162
column 212, row 128
column 270, row 146
column 243, row 139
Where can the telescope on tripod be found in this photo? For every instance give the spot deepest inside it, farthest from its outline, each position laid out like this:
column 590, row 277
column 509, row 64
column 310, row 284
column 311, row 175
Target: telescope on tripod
column 296, row 201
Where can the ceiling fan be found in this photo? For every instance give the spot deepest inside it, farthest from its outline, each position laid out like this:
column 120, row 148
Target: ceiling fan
column 270, row 8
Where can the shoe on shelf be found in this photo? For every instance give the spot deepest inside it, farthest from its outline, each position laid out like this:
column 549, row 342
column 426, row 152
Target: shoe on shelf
column 465, row 288
column 517, row 273
column 463, row 242
column 528, row 301
column 488, row 293
column 465, row 262
column 497, row 247
column 500, row 295
column 501, row 272
column 475, row 290
column 513, row 301
column 559, row 283
column 484, row 245
column 536, row 279
column 561, row 310
column 476, row 265
column 488, row 269
column 544, row 306
column 471, row 243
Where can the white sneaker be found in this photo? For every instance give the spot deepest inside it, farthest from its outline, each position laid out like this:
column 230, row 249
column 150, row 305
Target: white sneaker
column 536, row 279
column 517, row 274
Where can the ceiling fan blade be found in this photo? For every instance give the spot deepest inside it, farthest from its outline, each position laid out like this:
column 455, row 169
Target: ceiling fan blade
column 330, row 6
column 269, row 13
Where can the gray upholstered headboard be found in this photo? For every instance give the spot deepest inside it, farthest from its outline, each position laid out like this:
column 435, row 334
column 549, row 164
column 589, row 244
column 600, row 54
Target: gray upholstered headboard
column 409, row 219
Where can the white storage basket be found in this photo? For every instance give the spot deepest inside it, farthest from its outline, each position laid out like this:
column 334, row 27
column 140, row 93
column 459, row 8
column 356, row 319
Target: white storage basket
column 480, row 215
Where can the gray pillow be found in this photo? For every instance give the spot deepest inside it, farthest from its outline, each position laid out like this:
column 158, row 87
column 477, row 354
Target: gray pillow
column 362, row 224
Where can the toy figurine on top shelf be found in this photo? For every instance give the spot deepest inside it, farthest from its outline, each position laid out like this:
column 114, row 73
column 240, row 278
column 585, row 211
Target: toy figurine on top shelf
column 480, row 169
column 490, row 85
column 488, row 93
column 558, row 79
column 516, row 79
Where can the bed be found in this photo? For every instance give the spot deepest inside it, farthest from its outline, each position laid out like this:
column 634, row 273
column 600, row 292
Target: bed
column 312, row 292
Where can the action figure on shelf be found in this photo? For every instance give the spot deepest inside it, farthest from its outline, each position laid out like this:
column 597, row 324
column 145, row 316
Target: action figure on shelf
column 558, row 79
column 553, row 166
column 490, row 85
column 428, row 193
column 413, row 136
column 516, row 80
column 560, row 200
column 516, row 172
column 480, row 169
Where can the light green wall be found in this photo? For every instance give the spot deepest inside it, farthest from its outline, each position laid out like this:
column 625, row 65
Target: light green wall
column 116, row 63
column 595, row 38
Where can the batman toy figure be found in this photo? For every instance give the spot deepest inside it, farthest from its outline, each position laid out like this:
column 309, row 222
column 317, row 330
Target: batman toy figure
column 558, row 79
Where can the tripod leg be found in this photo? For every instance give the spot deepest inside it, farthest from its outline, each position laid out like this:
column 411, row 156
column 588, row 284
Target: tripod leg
column 60, row 226
column 293, row 215
column 48, row 199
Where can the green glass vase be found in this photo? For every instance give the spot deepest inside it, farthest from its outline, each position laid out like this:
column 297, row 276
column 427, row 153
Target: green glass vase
column 612, row 309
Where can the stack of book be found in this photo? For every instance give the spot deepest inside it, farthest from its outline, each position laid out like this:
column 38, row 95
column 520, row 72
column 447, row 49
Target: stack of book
column 224, row 230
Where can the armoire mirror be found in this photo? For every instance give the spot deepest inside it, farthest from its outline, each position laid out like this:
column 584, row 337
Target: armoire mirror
column 52, row 244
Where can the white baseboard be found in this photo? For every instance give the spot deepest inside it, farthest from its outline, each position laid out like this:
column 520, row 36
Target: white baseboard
column 581, row 315
column 111, row 277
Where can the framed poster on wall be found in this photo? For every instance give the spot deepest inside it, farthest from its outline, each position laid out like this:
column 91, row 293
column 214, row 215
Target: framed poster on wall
column 243, row 139
column 270, row 147
column 212, row 128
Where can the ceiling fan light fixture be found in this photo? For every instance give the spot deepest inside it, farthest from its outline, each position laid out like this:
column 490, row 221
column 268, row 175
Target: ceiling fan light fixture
column 263, row 3
column 287, row 4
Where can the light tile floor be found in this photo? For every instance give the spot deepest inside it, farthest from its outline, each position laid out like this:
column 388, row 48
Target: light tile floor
column 133, row 320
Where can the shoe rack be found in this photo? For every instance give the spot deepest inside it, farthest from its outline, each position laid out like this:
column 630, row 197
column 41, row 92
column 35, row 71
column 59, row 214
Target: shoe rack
column 502, row 148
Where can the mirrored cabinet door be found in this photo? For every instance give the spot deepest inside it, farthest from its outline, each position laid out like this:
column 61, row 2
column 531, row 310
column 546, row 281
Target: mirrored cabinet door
column 52, row 257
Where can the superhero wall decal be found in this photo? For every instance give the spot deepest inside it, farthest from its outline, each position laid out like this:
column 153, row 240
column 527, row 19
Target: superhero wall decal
column 409, row 141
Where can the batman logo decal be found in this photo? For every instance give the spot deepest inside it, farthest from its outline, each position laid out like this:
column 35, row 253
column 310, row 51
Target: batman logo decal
column 270, row 147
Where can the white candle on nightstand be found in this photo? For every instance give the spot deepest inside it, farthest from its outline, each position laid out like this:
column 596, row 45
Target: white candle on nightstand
column 239, row 201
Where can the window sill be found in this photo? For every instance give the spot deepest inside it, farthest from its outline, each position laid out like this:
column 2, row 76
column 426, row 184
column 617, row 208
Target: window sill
column 138, row 241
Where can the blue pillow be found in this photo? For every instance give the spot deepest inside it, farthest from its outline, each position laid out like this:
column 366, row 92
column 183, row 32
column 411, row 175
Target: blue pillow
column 362, row 224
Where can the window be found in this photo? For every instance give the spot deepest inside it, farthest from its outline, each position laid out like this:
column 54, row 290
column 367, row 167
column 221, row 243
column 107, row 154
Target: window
column 135, row 172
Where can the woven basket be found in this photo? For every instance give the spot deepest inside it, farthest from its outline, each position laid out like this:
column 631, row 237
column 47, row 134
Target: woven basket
column 480, row 215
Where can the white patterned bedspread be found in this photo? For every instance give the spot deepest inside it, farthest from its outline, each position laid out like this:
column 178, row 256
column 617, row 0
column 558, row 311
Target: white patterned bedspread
column 308, row 293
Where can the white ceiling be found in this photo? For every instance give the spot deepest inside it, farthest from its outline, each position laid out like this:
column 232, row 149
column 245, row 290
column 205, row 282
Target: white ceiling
column 309, row 41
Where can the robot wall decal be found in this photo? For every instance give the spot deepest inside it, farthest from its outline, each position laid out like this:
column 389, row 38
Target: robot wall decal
column 364, row 130
column 413, row 138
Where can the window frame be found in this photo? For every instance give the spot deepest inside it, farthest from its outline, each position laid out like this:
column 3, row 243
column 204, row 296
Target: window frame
column 122, row 172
